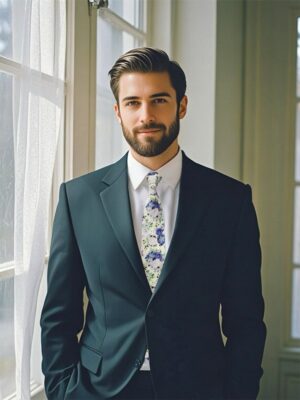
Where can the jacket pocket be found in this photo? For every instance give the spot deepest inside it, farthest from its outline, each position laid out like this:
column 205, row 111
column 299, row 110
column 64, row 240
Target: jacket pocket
column 90, row 358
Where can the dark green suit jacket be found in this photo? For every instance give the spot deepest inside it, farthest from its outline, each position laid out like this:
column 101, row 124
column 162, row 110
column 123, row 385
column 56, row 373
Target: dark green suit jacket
column 214, row 259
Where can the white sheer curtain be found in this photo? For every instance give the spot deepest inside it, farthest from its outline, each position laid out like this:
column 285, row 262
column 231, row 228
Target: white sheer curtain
column 40, row 32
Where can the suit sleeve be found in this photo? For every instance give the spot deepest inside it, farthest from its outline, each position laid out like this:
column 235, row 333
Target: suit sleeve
column 243, row 307
column 62, row 314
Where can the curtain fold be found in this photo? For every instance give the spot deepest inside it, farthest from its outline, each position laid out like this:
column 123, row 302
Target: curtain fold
column 40, row 45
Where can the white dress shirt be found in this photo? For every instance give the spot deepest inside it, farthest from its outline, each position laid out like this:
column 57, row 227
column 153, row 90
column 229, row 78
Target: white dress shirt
column 167, row 190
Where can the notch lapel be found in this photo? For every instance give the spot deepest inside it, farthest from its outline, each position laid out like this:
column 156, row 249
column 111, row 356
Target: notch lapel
column 116, row 203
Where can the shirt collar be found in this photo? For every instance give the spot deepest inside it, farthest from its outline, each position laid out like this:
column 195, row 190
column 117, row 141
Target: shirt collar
column 169, row 172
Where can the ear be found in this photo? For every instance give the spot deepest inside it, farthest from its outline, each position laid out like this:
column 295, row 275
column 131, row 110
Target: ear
column 117, row 112
column 183, row 106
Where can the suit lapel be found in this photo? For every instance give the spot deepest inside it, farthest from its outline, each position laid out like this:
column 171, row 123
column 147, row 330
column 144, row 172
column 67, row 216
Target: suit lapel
column 116, row 203
column 194, row 199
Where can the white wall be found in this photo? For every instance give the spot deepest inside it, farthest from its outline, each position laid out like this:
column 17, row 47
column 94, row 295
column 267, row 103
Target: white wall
column 186, row 29
column 195, row 49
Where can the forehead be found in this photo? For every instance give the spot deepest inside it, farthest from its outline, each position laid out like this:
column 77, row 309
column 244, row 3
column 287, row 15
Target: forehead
column 145, row 84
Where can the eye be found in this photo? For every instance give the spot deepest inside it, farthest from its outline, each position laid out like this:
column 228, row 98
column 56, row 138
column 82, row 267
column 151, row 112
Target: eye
column 131, row 103
column 159, row 100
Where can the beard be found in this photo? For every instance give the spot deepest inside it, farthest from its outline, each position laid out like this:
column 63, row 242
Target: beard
column 152, row 146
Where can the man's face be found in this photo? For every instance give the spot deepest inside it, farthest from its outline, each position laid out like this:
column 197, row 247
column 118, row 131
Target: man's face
column 148, row 112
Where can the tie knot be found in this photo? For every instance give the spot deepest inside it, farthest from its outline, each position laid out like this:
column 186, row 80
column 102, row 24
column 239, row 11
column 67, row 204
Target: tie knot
column 153, row 180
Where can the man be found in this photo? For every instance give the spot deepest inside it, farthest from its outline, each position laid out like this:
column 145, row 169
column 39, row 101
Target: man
column 160, row 243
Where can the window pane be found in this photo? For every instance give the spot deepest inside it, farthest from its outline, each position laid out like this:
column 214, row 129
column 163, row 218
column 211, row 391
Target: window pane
column 296, row 304
column 6, row 170
column 5, row 29
column 111, row 43
column 130, row 10
column 297, row 145
column 44, row 41
column 296, row 258
column 298, row 57
column 7, row 355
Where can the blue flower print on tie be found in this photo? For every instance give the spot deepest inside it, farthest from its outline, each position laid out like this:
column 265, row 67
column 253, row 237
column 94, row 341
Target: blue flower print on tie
column 160, row 236
column 154, row 255
column 153, row 204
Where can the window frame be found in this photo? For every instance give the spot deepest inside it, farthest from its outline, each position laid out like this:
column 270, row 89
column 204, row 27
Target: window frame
column 292, row 343
column 120, row 23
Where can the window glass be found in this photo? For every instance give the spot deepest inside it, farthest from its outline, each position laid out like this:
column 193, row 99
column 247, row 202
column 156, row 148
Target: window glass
column 13, row 31
column 5, row 29
column 111, row 43
column 298, row 57
column 297, row 145
column 7, row 355
column 130, row 10
column 296, row 258
column 296, row 304
column 6, row 170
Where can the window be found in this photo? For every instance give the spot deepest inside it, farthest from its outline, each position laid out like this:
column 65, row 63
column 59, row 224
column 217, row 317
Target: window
column 119, row 28
column 296, row 239
column 7, row 169
column 32, row 61
column 7, row 77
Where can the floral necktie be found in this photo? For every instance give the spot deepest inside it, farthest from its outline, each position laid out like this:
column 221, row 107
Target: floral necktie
column 153, row 248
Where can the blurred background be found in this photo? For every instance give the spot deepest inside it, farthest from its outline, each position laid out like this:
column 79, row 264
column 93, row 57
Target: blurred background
column 242, row 62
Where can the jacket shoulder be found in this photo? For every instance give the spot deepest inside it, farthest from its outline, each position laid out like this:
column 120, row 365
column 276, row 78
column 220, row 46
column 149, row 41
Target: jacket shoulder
column 99, row 178
column 211, row 177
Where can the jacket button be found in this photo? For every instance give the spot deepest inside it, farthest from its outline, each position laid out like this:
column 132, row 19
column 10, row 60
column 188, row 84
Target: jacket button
column 137, row 364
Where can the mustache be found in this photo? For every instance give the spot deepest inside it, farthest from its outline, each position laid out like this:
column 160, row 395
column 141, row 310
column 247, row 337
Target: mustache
column 152, row 125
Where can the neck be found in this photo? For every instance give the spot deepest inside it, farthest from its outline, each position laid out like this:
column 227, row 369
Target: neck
column 156, row 162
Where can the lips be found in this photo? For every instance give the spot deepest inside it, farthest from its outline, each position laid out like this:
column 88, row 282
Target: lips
column 148, row 131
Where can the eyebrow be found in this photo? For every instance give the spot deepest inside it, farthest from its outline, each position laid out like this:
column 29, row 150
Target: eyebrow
column 153, row 96
column 160, row 94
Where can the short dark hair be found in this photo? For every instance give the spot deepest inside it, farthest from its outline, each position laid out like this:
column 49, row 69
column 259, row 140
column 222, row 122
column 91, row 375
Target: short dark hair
column 147, row 59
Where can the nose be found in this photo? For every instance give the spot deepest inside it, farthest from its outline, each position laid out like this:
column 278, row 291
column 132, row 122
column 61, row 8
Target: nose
column 146, row 114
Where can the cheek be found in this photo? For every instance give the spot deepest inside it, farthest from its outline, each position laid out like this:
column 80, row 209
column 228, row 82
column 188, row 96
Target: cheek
column 169, row 118
column 129, row 119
